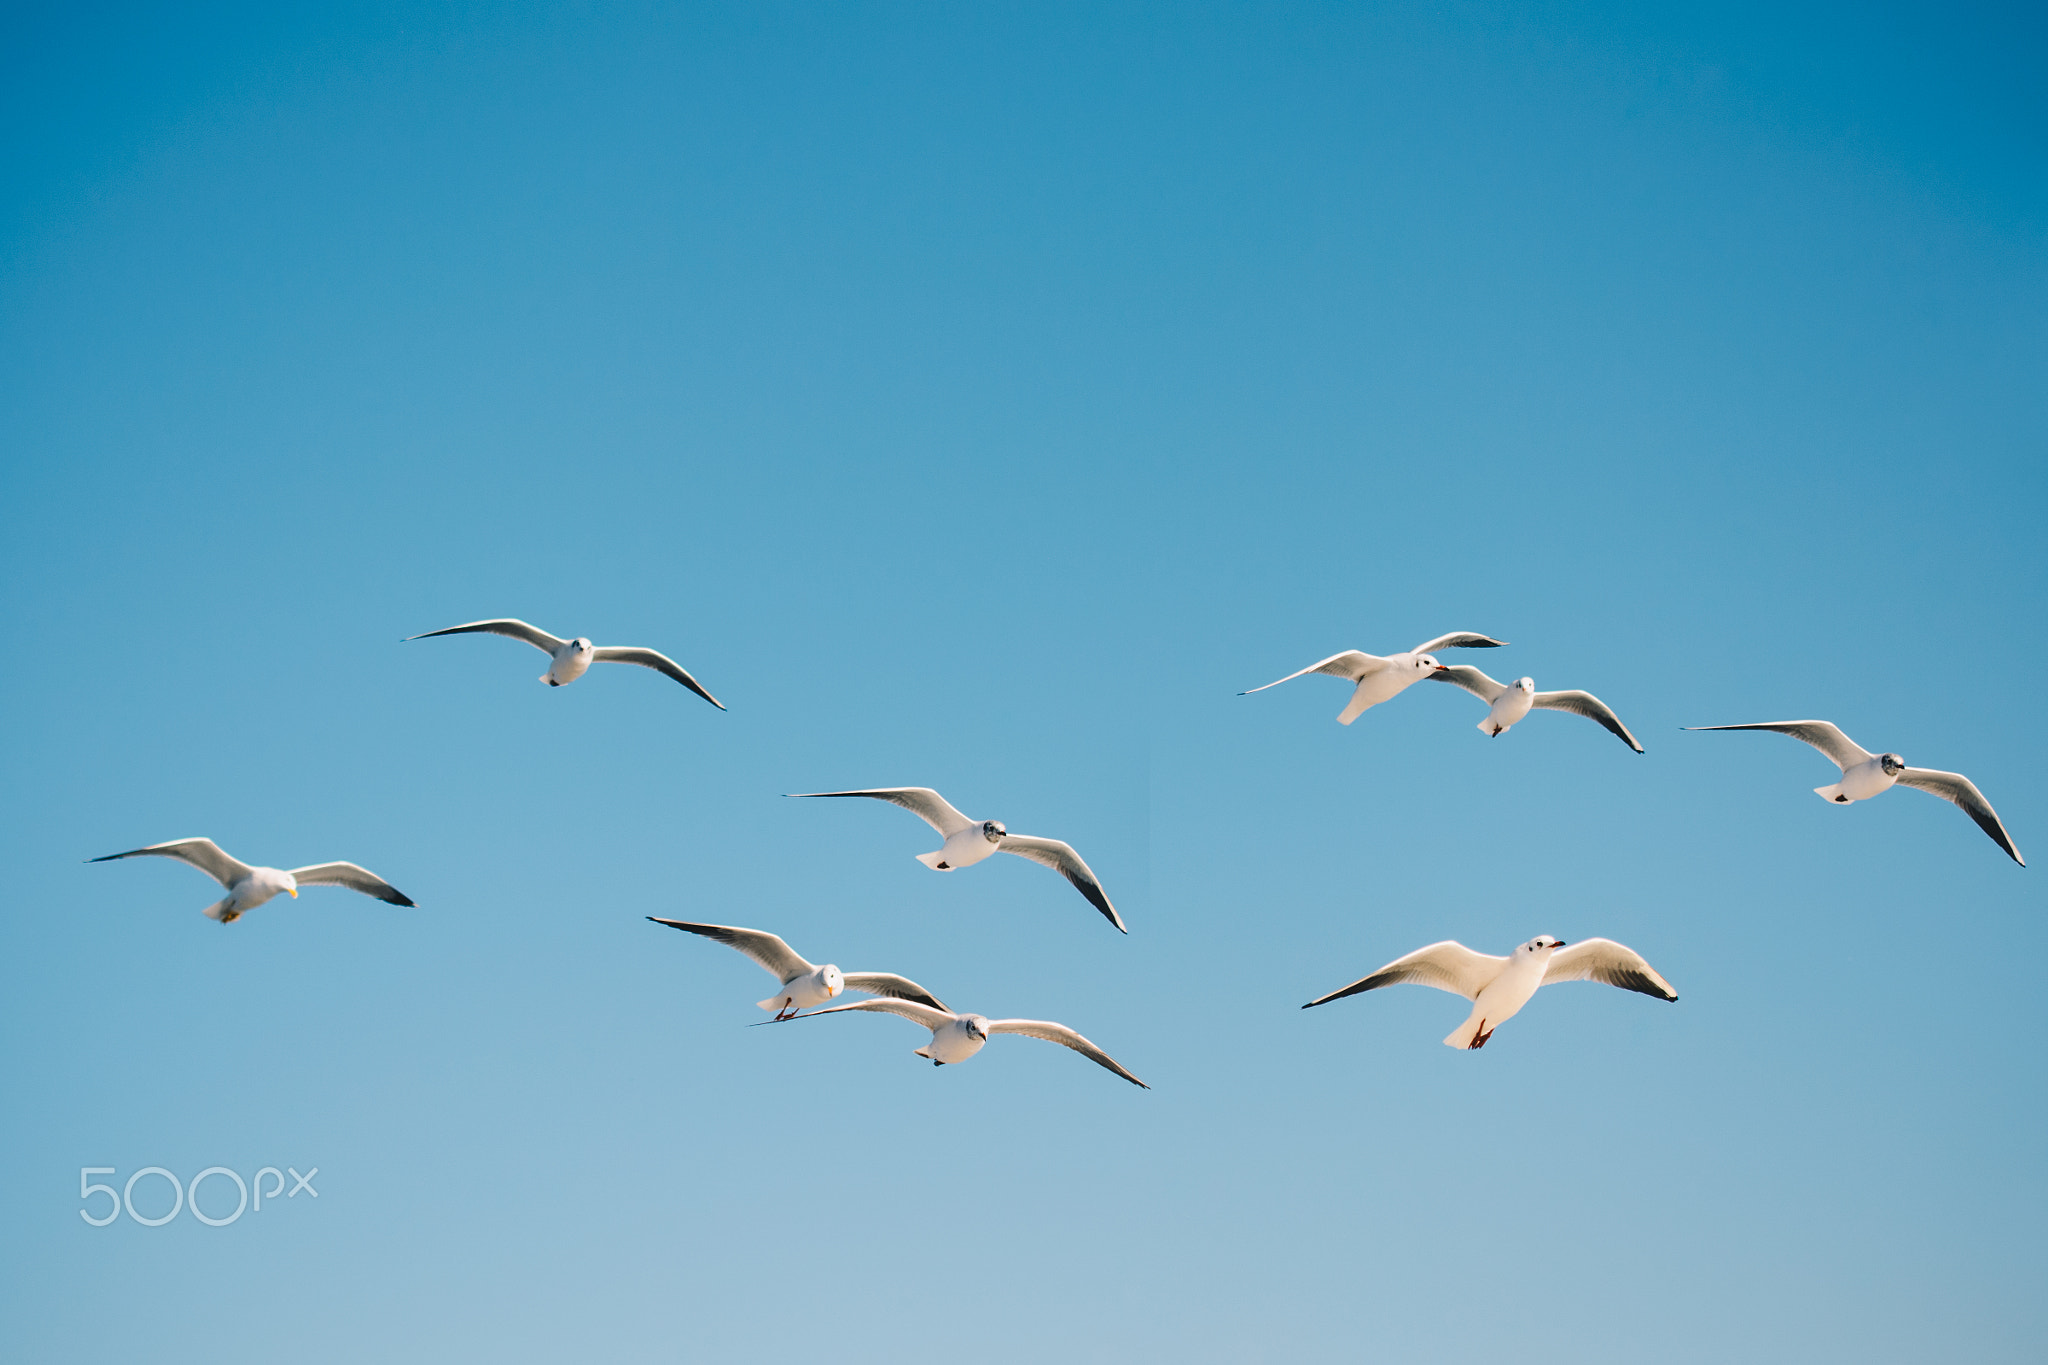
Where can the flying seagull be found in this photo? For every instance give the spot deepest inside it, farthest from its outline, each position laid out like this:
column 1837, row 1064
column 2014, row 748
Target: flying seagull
column 571, row 659
column 1498, row 987
column 248, row 887
column 956, row 1037
column 969, row 841
column 1512, row 701
column 1381, row 679
column 1865, row 775
column 802, row 984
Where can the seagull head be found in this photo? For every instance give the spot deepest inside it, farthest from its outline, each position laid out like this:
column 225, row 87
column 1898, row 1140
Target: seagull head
column 291, row 885
column 993, row 831
column 1525, row 684
column 1542, row 943
column 832, row 979
column 1426, row 663
column 1892, row 764
column 977, row 1027
column 581, row 645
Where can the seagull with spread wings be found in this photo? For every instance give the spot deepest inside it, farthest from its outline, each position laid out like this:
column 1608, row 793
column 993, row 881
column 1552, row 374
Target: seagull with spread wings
column 1865, row 775
column 802, row 985
column 569, row 660
column 956, row 1037
column 1498, row 987
column 1509, row 702
column 249, row 887
column 1381, row 679
column 970, row 841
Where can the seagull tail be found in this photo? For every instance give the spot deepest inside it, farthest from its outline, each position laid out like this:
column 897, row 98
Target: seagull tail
column 1831, row 792
column 1466, row 1034
column 218, row 911
column 1355, row 709
column 926, row 1051
column 773, row 1003
column 935, row 860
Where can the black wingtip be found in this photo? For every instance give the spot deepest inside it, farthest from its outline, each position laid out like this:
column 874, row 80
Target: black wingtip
column 400, row 898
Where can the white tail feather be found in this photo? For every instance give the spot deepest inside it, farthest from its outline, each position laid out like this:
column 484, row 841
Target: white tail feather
column 773, row 1003
column 1356, row 709
column 218, row 910
column 1463, row 1034
column 933, row 859
column 925, row 1051
column 1831, row 792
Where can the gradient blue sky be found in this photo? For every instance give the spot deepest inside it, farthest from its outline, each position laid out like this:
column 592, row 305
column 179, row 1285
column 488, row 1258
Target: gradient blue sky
column 981, row 397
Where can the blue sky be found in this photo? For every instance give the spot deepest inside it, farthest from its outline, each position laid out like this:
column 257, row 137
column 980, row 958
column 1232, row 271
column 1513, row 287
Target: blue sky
column 981, row 398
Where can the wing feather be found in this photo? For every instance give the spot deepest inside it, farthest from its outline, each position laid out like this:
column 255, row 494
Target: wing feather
column 656, row 660
column 1591, row 707
column 1065, row 1037
column 1611, row 964
column 893, row 987
column 203, row 854
column 354, row 878
column 1962, row 792
column 506, row 626
column 1061, row 858
column 1351, row 665
column 1448, row 966
column 926, row 804
column 781, row 961
column 1458, row 639
column 915, row 1011
column 1472, row 680
column 1822, row 735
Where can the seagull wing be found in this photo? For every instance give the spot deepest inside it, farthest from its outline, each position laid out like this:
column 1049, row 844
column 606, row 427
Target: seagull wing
column 517, row 630
column 1351, row 665
column 1472, row 680
column 1963, row 792
column 915, row 1011
column 1593, row 709
column 354, row 878
column 1458, row 639
column 765, row 948
column 1608, row 962
column 1448, row 966
column 1846, row 752
column 1065, row 1037
column 1062, row 859
column 656, row 660
column 203, row 854
column 926, row 804
column 893, row 987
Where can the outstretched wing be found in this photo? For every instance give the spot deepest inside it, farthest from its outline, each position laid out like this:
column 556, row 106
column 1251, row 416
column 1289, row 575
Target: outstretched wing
column 926, row 804
column 516, row 630
column 1065, row 1037
column 1350, row 665
column 894, row 987
column 1592, row 708
column 1846, row 752
column 1611, row 964
column 354, row 878
column 765, row 948
column 1472, row 680
column 1448, row 966
column 1062, row 859
column 1458, row 639
column 656, row 660
column 203, row 854
column 1963, row 792
column 915, row 1011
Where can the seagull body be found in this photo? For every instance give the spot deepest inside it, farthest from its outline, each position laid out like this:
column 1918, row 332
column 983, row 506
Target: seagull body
column 1380, row 679
column 802, row 985
column 956, row 1037
column 1865, row 775
column 1510, row 702
column 569, row 660
column 1498, row 987
column 249, row 887
column 971, row 841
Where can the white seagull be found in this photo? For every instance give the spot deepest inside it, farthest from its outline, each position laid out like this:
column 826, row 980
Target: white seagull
column 1381, row 679
column 1865, row 775
column 969, row 841
column 569, row 660
column 249, row 887
column 1498, row 987
column 802, row 984
column 956, row 1037
column 1509, row 702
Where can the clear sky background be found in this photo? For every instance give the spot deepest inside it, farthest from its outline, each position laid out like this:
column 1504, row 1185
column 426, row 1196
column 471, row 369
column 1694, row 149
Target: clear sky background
column 981, row 397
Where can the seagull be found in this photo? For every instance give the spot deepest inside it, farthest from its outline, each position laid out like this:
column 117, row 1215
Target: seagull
column 969, row 841
column 956, row 1037
column 1865, row 775
column 802, row 984
column 1499, row 986
column 1512, row 701
column 1382, row 679
column 571, row 659
column 249, row 887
